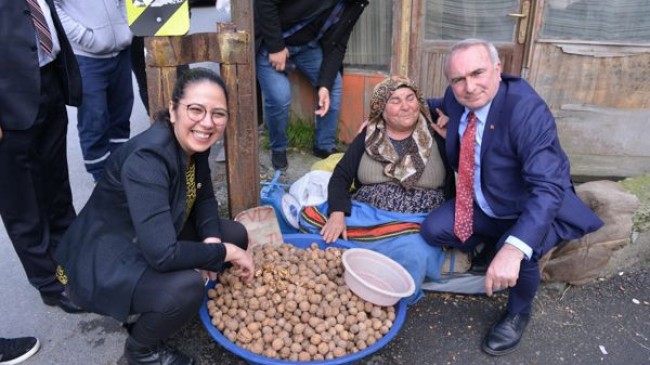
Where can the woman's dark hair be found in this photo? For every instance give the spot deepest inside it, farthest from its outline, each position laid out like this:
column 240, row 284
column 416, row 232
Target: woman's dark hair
column 189, row 77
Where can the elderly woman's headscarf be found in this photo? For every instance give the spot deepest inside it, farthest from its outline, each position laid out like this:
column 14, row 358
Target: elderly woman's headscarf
column 407, row 168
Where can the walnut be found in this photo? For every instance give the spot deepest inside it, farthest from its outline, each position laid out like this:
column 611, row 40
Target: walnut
column 304, row 356
column 304, row 306
column 254, row 326
column 297, row 307
column 253, row 304
column 257, row 347
column 277, row 344
column 323, row 348
column 291, row 305
column 270, row 352
column 296, row 348
column 299, row 328
column 244, row 335
column 315, row 339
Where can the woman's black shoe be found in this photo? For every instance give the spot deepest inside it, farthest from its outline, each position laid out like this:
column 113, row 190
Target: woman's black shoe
column 62, row 301
column 138, row 354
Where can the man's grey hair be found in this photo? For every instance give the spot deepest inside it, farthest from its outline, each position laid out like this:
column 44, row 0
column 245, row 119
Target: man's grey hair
column 470, row 42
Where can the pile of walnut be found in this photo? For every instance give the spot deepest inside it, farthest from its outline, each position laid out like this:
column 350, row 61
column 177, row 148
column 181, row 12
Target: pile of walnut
column 297, row 307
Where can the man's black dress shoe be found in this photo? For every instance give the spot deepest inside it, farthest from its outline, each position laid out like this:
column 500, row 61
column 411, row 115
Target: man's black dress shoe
column 138, row 354
column 504, row 336
column 324, row 153
column 62, row 301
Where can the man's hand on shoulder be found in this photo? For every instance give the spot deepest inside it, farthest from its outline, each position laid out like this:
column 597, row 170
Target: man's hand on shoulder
column 440, row 125
column 503, row 271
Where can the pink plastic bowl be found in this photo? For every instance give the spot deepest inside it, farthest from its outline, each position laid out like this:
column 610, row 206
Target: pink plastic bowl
column 375, row 277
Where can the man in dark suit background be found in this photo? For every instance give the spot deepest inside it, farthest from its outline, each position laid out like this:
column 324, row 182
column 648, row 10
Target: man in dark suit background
column 38, row 76
column 520, row 198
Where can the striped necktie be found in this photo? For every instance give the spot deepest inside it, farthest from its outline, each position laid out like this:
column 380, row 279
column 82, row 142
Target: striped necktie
column 463, row 222
column 40, row 24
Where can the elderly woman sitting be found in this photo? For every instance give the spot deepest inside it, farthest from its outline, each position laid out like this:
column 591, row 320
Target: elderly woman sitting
column 397, row 170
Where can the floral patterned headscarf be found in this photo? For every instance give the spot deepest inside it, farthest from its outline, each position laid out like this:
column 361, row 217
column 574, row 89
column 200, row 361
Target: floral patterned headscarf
column 407, row 168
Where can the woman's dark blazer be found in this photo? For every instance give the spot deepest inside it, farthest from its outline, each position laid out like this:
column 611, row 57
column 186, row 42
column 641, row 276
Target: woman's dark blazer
column 132, row 222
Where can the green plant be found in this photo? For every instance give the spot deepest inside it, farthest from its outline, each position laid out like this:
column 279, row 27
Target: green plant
column 300, row 134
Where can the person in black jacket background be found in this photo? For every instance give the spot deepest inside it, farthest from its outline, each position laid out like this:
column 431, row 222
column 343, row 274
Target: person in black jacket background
column 36, row 81
column 310, row 36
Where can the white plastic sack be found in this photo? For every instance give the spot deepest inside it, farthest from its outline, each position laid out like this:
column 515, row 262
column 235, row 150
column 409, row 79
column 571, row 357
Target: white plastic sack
column 311, row 188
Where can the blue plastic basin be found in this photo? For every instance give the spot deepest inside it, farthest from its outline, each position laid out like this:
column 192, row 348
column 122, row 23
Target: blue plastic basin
column 301, row 241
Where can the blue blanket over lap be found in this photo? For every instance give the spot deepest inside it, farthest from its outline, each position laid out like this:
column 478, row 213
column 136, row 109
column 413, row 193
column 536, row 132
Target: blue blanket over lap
column 411, row 251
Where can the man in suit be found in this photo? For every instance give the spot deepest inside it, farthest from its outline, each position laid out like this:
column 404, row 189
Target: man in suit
column 516, row 195
column 38, row 76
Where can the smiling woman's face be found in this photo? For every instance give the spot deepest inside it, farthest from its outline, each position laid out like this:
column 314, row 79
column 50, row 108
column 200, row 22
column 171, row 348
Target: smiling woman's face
column 402, row 110
column 196, row 132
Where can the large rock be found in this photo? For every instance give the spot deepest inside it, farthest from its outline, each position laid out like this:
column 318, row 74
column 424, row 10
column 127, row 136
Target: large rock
column 583, row 260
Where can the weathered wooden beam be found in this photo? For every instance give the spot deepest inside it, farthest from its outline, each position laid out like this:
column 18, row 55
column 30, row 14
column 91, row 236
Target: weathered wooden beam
column 233, row 45
column 242, row 145
column 172, row 51
column 160, row 83
column 199, row 47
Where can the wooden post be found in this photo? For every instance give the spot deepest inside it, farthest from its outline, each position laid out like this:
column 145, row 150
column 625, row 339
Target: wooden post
column 160, row 83
column 401, row 50
column 234, row 51
column 242, row 143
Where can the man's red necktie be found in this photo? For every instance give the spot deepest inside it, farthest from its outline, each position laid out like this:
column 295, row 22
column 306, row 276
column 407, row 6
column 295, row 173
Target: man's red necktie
column 42, row 30
column 463, row 222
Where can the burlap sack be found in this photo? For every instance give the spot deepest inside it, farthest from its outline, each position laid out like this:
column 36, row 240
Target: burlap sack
column 583, row 260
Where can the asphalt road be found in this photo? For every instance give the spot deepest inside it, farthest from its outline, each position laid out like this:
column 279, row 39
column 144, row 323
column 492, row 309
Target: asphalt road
column 595, row 324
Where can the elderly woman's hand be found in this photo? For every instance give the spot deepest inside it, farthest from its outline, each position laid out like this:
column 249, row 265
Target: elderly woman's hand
column 440, row 126
column 323, row 101
column 334, row 227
